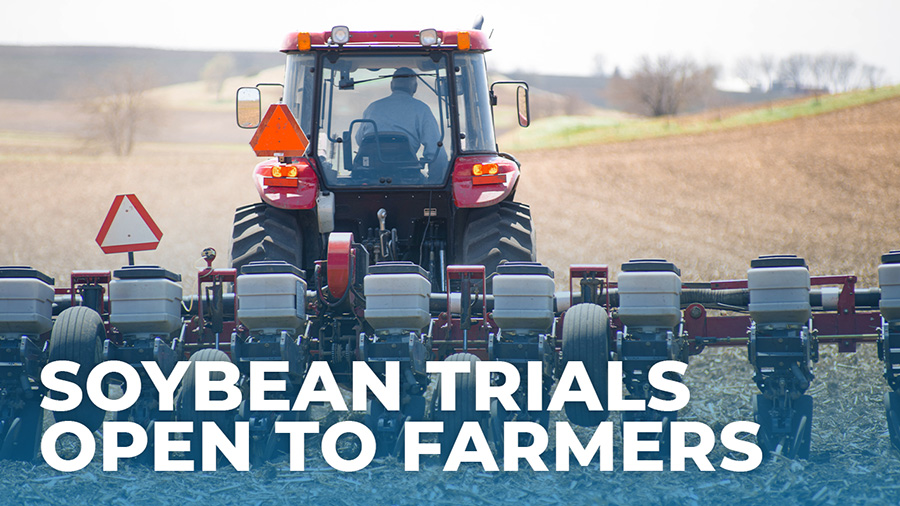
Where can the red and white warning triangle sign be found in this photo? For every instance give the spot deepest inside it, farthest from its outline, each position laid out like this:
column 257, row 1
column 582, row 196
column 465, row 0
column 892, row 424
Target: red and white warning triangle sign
column 128, row 227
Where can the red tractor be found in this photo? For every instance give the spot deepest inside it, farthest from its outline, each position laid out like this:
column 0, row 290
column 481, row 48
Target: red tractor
column 387, row 214
column 401, row 153
column 385, row 157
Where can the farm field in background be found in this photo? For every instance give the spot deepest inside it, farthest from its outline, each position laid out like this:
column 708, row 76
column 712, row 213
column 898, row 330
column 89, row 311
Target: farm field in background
column 823, row 187
column 609, row 126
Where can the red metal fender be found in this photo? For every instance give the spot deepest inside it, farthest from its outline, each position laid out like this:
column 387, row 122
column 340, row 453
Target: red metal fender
column 486, row 190
column 287, row 192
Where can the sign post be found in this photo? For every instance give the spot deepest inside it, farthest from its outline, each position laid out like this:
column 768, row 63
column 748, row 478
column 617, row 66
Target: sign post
column 127, row 228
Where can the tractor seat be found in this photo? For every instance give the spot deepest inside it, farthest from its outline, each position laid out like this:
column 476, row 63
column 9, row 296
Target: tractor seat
column 385, row 150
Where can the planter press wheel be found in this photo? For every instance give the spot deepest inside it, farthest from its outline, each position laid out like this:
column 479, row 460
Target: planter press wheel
column 498, row 416
column 78, row 336
column 495, row 424
column 585, row 338
column 892, row 409
column 762, row 416
column 185, row 404
column 23, row 435
column 464, row 411
column 801, row 427
column 666, row 418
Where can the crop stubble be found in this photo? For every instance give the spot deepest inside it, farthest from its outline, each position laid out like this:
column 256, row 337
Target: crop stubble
column 823, row 187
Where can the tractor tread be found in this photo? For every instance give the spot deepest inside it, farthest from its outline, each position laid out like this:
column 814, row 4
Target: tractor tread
column 263, row 232
column 503, row 232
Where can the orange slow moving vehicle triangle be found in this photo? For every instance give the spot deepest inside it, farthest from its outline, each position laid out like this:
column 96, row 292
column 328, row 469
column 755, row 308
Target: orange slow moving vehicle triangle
column 279, row 134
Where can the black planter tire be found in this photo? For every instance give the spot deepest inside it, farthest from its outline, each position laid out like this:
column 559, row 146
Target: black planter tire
column 185, row 405
column 464, row 411
column 585, row 338
column 78, row 336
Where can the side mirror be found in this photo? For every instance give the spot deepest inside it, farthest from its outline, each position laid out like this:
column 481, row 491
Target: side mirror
column 521, row 100
column 522, row 106
column 249, row 109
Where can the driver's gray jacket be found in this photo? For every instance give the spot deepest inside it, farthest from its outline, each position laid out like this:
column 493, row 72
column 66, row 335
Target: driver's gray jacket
column 400, row 112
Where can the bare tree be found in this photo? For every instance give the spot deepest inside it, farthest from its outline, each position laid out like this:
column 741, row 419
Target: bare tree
column 795, row 71
column 822, row 69
column 118, row 108
column 598, row 64
column 216, row 70
column 769, row 70
column 667, row 85
column 748, row 70
column 757, row 72
column 844, row 68
column 871, row 75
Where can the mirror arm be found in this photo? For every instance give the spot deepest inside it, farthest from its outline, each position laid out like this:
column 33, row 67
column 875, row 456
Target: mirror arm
column 522, row 86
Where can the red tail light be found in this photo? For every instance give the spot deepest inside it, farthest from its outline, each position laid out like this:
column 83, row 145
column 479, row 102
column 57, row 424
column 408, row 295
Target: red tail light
column 483, row 180
column 288, row 186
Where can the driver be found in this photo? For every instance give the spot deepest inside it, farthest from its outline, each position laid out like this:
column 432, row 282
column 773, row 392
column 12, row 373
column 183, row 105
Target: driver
column 400, row 112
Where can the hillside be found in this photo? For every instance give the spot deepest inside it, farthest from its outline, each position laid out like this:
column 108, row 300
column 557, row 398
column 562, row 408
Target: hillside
column 53, row 72
column 596, row 127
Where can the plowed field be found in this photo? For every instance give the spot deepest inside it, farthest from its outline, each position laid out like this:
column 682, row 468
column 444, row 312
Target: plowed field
column 826, row 188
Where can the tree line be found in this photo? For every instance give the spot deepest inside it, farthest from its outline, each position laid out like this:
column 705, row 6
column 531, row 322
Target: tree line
column 118, row 107
column 823, row 72
column 666, row 85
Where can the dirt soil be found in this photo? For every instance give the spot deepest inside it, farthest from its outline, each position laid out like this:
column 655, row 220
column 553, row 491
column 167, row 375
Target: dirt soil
column 824, row 188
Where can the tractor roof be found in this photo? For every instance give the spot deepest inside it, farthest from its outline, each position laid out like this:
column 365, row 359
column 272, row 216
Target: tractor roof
column 446, row 40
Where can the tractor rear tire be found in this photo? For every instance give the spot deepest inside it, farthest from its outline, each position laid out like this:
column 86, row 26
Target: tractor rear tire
column 185, row 405
column 263, row 232
column 585, row 339
column 464, row 411
column 78, row 336
column 497, row 233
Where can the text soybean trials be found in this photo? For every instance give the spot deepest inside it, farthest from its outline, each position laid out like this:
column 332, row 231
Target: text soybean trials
column 221, row 377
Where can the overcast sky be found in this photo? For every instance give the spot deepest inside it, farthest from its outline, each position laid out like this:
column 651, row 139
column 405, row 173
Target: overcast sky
column 560, row 37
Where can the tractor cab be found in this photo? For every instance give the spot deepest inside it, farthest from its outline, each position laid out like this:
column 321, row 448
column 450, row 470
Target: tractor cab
column 398, row 148
column 382, row 120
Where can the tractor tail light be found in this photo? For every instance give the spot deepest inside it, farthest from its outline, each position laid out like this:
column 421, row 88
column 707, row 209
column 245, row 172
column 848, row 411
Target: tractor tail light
column 287, row 186
column 285, row 175
column 480, row 169
column 284, row 171
column 483, row 180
